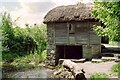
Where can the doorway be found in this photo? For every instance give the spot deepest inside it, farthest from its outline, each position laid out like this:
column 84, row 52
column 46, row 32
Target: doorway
column 69, row 51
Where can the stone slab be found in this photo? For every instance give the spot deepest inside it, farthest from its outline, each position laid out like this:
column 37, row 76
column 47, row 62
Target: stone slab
column 109, row 58
column 74, row 60
column 79, row 60
column 96, row 60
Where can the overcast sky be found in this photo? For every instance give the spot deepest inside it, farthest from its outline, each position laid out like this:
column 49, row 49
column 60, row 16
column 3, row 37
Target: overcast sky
column 32, row 11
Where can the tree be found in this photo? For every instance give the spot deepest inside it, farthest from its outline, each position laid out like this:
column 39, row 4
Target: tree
column 38, row 33
column 14, row 39
column 18, row 41
column 0, row 38
column 7, row 32
column 109, row 14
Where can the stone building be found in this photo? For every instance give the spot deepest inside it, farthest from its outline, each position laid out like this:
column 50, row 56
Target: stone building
column 70, row 33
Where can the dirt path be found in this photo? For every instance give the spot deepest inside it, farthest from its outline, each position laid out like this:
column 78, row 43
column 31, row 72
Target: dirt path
column 91, row 68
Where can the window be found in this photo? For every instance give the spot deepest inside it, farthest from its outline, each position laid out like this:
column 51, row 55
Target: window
column 71, row 29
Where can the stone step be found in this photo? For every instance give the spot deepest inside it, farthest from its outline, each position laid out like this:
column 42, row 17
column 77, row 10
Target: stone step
column 109, row 58
column 118, row 60
column 79, row 60
column 116, row 55
column 96, row 60
column 74, row 60
column 110, row 55
column 107, row 54
column 110, row 51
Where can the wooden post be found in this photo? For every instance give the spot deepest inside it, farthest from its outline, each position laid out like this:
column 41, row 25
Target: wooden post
column 64, row 52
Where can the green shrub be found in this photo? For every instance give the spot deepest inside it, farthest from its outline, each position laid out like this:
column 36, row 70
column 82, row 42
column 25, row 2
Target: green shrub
column 99, row 76
column 9, row 56
column 22, row 41
column 22, row 46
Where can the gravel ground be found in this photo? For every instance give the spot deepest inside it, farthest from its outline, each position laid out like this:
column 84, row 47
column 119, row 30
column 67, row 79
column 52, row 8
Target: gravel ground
column 103, row 67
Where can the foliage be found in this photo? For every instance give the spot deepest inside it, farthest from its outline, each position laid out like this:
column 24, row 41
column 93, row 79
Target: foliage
column 43, row 55
column 32, row 60
column 9, row 57
column 109, row 14
column 22, row 41
column 116, row 68
column 7, row 32
column 0, row 40
column 99, row 76
column 38, row 33
column 101, row 31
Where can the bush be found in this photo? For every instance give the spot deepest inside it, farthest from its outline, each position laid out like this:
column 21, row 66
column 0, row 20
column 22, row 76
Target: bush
column 9, row 57
column 22, row 41
column 99, row 76
column 22, row 46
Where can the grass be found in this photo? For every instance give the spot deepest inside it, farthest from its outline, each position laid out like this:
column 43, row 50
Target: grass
column 99, row 76
column 116, row 68
column 29, row 61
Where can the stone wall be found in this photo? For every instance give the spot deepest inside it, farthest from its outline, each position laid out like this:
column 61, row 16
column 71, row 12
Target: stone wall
column 91, row 51
column 96, row 51
column 50, row 59
column 87, row 52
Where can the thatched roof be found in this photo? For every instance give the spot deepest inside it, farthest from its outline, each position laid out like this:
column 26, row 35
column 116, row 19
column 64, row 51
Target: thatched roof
column 79, row 12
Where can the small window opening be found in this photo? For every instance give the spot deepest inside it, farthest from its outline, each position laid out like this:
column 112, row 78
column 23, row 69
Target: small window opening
column 71, row 29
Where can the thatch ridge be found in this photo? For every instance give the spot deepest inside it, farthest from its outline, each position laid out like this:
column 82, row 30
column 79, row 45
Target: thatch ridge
column 79, row 12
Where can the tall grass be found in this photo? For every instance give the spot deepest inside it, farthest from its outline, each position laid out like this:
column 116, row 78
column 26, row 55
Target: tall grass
column 31, row 60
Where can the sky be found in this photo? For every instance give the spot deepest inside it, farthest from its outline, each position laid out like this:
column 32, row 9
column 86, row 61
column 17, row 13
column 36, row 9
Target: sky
column 32, row 11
